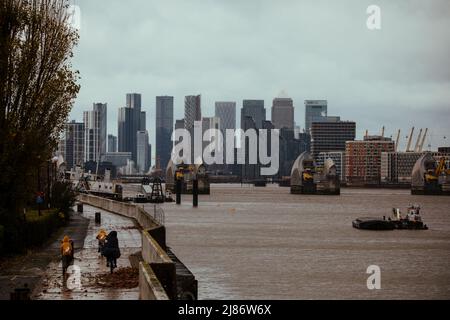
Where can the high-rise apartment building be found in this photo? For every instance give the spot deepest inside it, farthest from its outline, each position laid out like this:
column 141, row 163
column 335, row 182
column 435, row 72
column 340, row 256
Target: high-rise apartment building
column 95, row 132
column 71, row 145
column 363, row 159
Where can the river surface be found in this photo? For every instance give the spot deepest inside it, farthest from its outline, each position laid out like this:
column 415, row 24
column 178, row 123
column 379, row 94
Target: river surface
column 264, row 243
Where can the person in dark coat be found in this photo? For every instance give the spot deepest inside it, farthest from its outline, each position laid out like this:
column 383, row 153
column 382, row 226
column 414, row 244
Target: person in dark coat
column 111, row 249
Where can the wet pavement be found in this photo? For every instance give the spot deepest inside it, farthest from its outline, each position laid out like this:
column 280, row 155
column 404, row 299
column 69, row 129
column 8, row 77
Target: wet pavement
column 81, row 281
column 27, row 269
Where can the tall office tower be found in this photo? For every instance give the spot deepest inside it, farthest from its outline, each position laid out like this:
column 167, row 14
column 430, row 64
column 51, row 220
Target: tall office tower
column 134, row 101
column 71, row 145
column 112, row 143
column 95, row 132
column 143, row 154
column 129, row 123
column 314, row 109
column 143, row 121
column 226, row 112
column 164, row 129
column 283, row 112
column 254, row 109
column 210, row 123
column 102, row 109
column 192, row 111
column 331, row 134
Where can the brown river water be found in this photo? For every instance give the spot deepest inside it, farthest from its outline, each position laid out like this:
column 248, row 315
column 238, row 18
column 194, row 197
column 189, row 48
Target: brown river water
column 264, row 243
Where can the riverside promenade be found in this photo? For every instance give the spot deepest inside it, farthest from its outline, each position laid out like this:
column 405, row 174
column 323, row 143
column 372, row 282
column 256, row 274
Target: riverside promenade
column 92, row 267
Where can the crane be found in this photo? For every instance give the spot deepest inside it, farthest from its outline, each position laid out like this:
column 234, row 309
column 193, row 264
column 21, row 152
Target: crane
column 423, row 140
column 397, row 141
column 441, row 167
column 416, row 148
column 408, row 147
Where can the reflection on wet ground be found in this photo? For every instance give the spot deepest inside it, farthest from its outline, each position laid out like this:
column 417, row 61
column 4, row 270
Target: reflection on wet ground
column 89, row 263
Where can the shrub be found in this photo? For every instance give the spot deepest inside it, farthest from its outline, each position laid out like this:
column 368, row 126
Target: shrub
column 39, row 228
column 63, row 197
column 34, row 231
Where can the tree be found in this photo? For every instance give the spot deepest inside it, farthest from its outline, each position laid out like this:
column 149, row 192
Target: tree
column 37, row 89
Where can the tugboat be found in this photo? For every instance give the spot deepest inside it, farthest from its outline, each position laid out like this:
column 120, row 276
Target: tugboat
column 412, row 221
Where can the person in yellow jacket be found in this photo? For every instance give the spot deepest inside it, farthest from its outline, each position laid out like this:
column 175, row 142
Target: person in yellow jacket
column 67, row 247
column 101, row 237
column 66, row 252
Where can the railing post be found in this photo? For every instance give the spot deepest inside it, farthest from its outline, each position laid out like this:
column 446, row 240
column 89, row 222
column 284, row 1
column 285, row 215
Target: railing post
column 195, row 193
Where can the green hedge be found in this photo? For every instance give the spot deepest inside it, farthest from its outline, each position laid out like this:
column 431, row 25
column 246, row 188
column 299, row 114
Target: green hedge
column 32, row 232
column 38, row 229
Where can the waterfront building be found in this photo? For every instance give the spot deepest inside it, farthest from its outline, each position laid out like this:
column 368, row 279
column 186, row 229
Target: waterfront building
column 363, row 159
column 331, row 134
column 397, row 167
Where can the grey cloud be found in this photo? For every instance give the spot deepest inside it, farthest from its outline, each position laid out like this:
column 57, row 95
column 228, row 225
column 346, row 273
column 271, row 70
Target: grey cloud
column 232, row 50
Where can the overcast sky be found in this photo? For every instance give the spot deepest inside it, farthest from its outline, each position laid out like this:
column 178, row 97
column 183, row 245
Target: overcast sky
column 398, row 76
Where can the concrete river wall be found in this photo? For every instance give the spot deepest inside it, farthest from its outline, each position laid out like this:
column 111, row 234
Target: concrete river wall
column 157, row 271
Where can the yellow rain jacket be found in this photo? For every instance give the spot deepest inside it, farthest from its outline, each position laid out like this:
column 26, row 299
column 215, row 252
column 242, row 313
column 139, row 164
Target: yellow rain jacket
column 66, row 246
column 101, row 235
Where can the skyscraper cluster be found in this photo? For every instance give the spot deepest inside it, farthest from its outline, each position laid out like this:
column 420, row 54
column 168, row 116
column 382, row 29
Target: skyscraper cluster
column 89, row 141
